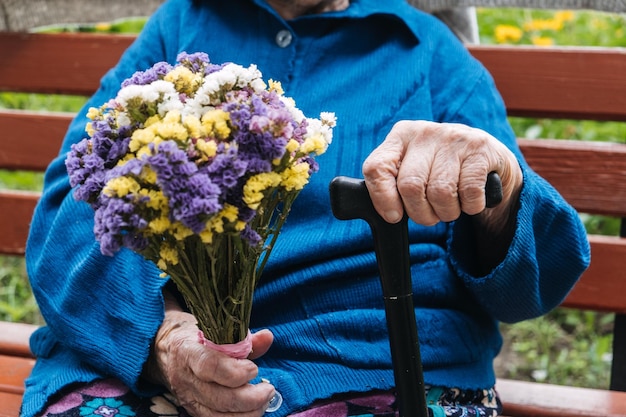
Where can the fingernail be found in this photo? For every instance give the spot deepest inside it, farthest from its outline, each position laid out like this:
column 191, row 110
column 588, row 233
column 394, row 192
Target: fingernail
column 393, row 216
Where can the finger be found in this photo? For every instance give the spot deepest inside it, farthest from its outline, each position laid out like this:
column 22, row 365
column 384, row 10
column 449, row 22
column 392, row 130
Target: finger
column 380, row 170
column 261, row 342
column 214, row 366
column 472, row 185
column 220, row 400
column 442, row 191
column 413, row 183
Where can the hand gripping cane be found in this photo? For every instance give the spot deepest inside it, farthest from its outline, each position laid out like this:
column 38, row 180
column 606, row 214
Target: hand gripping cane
column 350, row 200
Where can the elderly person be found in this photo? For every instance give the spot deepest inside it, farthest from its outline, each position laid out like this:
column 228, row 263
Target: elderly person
column 422, row 122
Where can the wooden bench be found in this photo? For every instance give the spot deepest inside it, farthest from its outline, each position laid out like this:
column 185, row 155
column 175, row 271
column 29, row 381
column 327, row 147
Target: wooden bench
column 577, row 83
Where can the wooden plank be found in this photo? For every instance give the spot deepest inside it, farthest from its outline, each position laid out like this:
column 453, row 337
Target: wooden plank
column 13, row 371
column 574, row 82
column 57, row 63
column 603, row 285
column 17, row 210
column 565, row 82
column 14, row 339
column 11, row 403
column 31, row 140
column 590, row 175
column 531, row 399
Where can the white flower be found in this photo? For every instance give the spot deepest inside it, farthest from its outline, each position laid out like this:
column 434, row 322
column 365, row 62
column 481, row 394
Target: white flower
column 295, row 112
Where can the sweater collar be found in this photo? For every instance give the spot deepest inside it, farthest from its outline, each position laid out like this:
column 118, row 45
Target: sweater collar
column 397, row 10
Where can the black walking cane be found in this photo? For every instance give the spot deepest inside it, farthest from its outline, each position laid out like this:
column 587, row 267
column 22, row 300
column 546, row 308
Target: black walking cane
column 350, row 199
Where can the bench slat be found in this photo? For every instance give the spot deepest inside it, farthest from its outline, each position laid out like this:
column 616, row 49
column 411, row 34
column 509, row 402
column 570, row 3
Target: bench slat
column 14, row 339
column 582, row 169
column 559, row 82
column 17, row 209
column 11, row 403
column 602, row 286
column 74, row 63
column 533, row 399
column 555, row 82
column 31, row 140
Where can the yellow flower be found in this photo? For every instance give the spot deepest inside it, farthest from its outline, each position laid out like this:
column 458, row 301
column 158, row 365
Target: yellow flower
column 89, row 129
column 103, row 27
column 314, row 144
column 170, row 127
column 543, row 24
column 206, row 236
column 542, row 41
column 207, row 148
column 193, row 124
column 508, row 33
column 229, row 212
column 180, row 231
column 167, row 255
column 256, row 185
column 292, row 146
column 276, row 86
column 156, row 200
column 140, row 138
column 121, row 186
column 159, row 225
column 215, row 122
column 152, row 120
column 148, row 175
column 93, row 113
column 184, row 80
column 564, row 15
column 295, row 177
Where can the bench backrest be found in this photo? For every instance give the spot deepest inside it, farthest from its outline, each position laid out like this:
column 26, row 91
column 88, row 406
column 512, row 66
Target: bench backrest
column 575, row 82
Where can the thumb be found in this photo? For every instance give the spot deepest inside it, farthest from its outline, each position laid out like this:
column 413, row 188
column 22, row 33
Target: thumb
column 261, row 342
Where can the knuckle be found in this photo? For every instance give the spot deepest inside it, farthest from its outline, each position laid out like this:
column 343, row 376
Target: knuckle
column 411, row 186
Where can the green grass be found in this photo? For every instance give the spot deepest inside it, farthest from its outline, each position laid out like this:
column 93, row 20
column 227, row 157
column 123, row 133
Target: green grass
column 565, row 346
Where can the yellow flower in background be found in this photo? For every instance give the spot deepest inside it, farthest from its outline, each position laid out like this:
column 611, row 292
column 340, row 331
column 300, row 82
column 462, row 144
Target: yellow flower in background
column 103, row 27
column 543, row 24
column 508, row 33
column 542, row 41
column 564, row 15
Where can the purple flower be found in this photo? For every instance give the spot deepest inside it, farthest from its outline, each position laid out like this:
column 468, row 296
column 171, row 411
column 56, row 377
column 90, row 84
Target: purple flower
column 193, row 197
column 157, row 72
column 117, row 224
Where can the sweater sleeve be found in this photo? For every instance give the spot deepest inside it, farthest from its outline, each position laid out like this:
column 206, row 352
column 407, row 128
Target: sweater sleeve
column 105, row 309
column 549, row 250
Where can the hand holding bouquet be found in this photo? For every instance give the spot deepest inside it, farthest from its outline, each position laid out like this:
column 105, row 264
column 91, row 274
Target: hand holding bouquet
column 195, row 166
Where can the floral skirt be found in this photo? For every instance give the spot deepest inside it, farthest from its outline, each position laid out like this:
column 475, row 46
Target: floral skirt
column 110, row 398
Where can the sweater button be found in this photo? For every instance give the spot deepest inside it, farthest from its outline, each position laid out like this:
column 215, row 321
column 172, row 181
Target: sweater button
column 284, row 38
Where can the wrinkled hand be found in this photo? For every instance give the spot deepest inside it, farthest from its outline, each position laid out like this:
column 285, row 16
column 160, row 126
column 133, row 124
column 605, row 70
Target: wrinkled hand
column 205, row 382
column 435, row 171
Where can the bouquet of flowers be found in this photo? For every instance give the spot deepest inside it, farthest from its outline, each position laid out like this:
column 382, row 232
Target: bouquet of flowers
column 195, row 166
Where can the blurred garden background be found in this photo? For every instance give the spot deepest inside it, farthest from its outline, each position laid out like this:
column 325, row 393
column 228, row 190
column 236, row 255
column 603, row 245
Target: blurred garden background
column 564, row 347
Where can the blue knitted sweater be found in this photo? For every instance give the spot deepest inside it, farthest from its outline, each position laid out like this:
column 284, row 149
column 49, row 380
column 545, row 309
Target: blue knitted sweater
column 373, row 64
